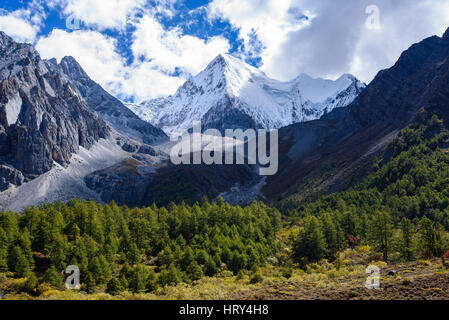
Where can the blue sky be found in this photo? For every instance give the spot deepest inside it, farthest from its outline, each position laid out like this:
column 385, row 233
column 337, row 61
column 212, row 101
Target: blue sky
column 143, row 49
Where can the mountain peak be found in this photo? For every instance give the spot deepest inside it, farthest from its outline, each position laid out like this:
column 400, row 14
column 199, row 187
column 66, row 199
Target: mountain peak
column 446, row 34
column 5, row 39
column 71, row 66
column 231, row 93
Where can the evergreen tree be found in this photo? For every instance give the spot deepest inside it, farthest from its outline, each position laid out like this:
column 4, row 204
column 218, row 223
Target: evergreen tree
column 187, row 258
column 53, row 278
column 381, row 232
column 19, row 262
column 210, row 268
column 428, row 241
column 407, row 243
column 194, row 271
column 114, row 287
column 31, row 284
column 138, row 280
column 133, row 254
column 331, row 234
column 310, row 244
column 3, row 260
column 169, row 277
column 89, row 282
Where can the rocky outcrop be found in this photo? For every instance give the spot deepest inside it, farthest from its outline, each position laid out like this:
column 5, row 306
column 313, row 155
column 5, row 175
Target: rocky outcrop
column 123, row 183
column 135, row 147
column 43, row 117
column 10, row 176
column 109, row 108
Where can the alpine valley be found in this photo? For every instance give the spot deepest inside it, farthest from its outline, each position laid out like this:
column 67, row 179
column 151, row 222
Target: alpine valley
column 64, row 136
column 363, row 179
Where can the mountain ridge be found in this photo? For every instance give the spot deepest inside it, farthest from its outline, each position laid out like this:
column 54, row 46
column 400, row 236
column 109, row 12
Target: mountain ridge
column 108, row 107
column 43, row 117
column 327, row 155
column 230, row 94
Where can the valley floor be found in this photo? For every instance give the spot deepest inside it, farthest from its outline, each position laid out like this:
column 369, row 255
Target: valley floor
column 424, row 280
column 419, row 280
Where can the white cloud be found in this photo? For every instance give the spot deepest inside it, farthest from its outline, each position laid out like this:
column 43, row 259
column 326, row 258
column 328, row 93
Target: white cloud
column 17, row 28
column 269, row 20
column 163, row 58
column 167, row 49
column 94, row 51
column 23, row 24
column 335, row 40
column 102, row 14
column 146, row 82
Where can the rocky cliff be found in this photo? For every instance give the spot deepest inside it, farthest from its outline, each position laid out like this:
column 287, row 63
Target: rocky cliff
column 43, row 117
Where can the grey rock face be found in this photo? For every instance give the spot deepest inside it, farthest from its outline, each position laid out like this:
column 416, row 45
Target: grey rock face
column 122, row 183
column 9, row 175
column 134, row 147
column 43, row 116
column 109, row 108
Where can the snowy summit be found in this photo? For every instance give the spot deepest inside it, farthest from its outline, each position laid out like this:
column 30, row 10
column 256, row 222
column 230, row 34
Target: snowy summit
column 231, row 94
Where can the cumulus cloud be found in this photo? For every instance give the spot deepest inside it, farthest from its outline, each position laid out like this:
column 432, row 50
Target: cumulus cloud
column 170, row 49
column 98, row 56
column 335, row 39
column 94, row 51
column 163, row 59
column 101, row 14
column 17, row 28
column 23, row 24
column 263, row 24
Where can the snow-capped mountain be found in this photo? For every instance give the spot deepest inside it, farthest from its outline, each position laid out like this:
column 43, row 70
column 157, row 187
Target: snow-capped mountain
column 231, row 94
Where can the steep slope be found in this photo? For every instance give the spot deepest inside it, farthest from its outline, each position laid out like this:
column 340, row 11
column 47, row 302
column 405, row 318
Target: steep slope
column 109, row 108
column 43, row 117
column 333, row 153
column 232, row 94
column 329, row 155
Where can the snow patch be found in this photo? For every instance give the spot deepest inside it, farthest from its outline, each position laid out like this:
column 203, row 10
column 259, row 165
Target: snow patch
column 13, row 108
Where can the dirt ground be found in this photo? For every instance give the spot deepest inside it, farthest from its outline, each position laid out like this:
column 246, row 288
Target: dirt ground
column 412, row 281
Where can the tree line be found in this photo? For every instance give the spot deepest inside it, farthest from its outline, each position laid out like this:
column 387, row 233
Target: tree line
column 401, row 209
column 137, row 249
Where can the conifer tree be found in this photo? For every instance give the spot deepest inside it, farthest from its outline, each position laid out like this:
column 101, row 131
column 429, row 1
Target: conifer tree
column 194, row 271
column 138, row 280
column 428, row 241
column 210, row 268
column 31, row 284
column 187, row 258
column 53, row 278
column 89, row 282
column 330, row 233
column 310, row 244
column 114, row 287
column 19, row 262
column 407, row 243
column 381, row 232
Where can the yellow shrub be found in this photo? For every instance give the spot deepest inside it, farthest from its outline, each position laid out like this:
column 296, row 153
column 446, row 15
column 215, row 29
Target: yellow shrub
column 364, row 250
column 379, row 264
